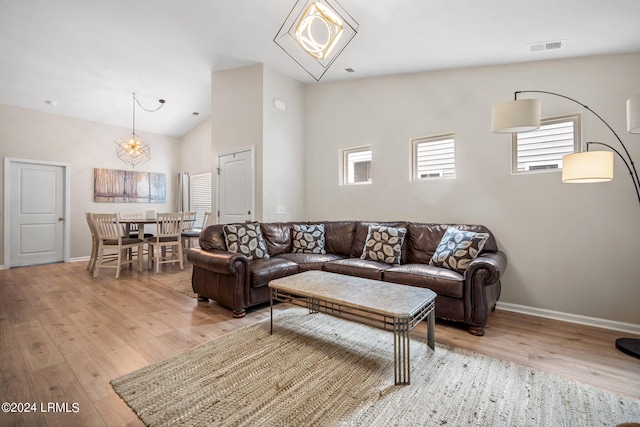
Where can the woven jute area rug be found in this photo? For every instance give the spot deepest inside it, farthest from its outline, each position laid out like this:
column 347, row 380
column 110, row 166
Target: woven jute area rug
column 180, row 282
column 317, row 370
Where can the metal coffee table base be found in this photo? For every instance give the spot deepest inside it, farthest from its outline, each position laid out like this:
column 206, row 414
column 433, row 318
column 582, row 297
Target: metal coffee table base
column 401, row 325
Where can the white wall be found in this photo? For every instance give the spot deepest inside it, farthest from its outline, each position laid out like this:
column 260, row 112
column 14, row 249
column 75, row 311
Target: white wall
column 195, row 150
column 243, row 115
column 571, row 248
column 236, row 111
column 34, row 135
column 283, row 148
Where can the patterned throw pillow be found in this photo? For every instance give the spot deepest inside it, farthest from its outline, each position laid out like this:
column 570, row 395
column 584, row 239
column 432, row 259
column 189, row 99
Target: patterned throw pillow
column 246, row 239
column 384, row 244
column 458, row 248
column 308, row 239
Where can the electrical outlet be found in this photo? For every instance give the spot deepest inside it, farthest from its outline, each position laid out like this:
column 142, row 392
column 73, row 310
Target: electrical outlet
column 281, row 210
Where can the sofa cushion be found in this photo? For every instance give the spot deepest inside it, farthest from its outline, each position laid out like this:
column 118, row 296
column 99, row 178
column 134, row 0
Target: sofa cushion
column 458, row 248
column 362, row 231
column 338, row 236
column 277, row 236
column 439, row 280
column 310, row 261
column 265, row 270
column 422, row 240
column 357, row 267
column 212, row 237
column 308, row 239
column 246, row 239
column 384, row 244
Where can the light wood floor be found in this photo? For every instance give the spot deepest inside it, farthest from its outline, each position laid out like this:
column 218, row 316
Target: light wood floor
column 64, row 335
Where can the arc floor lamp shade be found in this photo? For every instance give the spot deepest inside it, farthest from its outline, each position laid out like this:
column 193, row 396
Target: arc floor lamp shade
column 521, row 115
column 587, row 167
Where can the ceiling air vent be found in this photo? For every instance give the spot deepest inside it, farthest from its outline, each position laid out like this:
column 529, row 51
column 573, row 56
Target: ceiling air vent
column 542, row 46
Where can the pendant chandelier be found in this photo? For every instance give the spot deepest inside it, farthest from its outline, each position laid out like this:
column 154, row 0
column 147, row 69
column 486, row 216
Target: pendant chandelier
column 132, row 149
column 315, row 33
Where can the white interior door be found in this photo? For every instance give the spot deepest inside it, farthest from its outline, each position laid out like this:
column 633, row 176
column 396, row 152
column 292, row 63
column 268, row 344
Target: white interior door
column 36, row 213
column 235, row 186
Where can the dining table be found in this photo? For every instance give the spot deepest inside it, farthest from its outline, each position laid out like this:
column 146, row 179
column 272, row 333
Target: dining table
column 141, row 222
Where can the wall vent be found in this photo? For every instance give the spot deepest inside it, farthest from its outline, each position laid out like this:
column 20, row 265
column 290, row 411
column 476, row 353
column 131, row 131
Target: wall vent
column 542, row 46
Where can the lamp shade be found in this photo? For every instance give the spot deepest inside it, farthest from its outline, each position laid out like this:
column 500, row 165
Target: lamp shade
column 521, row 115
column 633, row 114
column 587, row 167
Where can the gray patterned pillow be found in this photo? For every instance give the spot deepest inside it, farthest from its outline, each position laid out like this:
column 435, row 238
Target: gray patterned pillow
column 245, row 239
column 458, row 248
column 308, row 239
column 384, row 244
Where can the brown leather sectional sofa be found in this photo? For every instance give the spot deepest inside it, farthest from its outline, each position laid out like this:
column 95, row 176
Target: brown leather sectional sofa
column 238, row 283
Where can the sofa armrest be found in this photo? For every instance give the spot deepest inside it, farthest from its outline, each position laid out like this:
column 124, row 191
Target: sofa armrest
column 482, row 289
column 494, row 262
column 216, row 260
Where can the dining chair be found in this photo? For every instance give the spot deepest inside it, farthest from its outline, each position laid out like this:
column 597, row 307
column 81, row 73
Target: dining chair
column 133, row 228
column 168, row 229
column 94, row 243
column 109, row 233
column 193, row 232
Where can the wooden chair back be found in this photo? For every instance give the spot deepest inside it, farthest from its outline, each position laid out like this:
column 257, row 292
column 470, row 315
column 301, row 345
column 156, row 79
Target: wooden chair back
column 107, row 226
column 188, row 220
column 169, row 225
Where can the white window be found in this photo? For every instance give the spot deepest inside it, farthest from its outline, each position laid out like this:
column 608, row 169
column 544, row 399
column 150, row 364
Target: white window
column 542, row 149
column 434, row 157
column 200, row 195
column 356, row 165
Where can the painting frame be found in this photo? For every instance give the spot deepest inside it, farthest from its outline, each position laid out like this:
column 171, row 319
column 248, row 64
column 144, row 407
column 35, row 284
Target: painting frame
column 123, row 186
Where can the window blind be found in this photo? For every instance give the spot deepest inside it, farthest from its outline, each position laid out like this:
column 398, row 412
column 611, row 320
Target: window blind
column 544, row 148
column 200, row 196
column 358, row 165
column 434, row 157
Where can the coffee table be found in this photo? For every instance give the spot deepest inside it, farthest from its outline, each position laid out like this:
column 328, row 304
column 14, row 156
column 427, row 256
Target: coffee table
column 387, row 305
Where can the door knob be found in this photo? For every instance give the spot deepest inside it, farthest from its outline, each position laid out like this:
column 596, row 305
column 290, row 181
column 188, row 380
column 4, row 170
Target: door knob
column 60, row 219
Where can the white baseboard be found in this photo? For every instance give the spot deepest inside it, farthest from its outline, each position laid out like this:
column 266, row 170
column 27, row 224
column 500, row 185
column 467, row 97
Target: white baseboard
column 571, row 318
column 78, row 259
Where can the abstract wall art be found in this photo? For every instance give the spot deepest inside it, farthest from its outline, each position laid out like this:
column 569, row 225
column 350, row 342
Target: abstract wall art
column 122, row 186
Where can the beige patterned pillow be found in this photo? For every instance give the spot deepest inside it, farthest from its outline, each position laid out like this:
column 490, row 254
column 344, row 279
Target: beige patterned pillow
column 308, row 239
column 458, row 248
column 245, row 239
column 384, row 244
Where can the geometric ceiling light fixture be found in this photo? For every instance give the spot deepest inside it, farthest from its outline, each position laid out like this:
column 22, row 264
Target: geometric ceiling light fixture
column 315, row 33
column 132, row 149
column 523, row 115
column 581, row 167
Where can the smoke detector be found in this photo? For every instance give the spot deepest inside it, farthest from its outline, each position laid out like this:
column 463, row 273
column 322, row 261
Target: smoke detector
column 543, row 46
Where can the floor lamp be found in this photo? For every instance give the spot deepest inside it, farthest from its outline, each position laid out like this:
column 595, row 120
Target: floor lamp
column 522, row 115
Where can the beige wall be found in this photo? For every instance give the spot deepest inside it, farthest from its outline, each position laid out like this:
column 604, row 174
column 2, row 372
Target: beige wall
column 283, row 148
column 243, row 115
column 84, row 145
column 571, row 248
column 195, row 149
column 236, row 111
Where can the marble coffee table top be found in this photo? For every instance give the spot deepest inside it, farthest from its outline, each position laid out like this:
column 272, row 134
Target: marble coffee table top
column 390, row 299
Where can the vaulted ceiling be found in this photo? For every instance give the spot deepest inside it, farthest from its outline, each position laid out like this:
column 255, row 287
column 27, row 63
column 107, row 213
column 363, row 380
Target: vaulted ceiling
column 86, row 57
